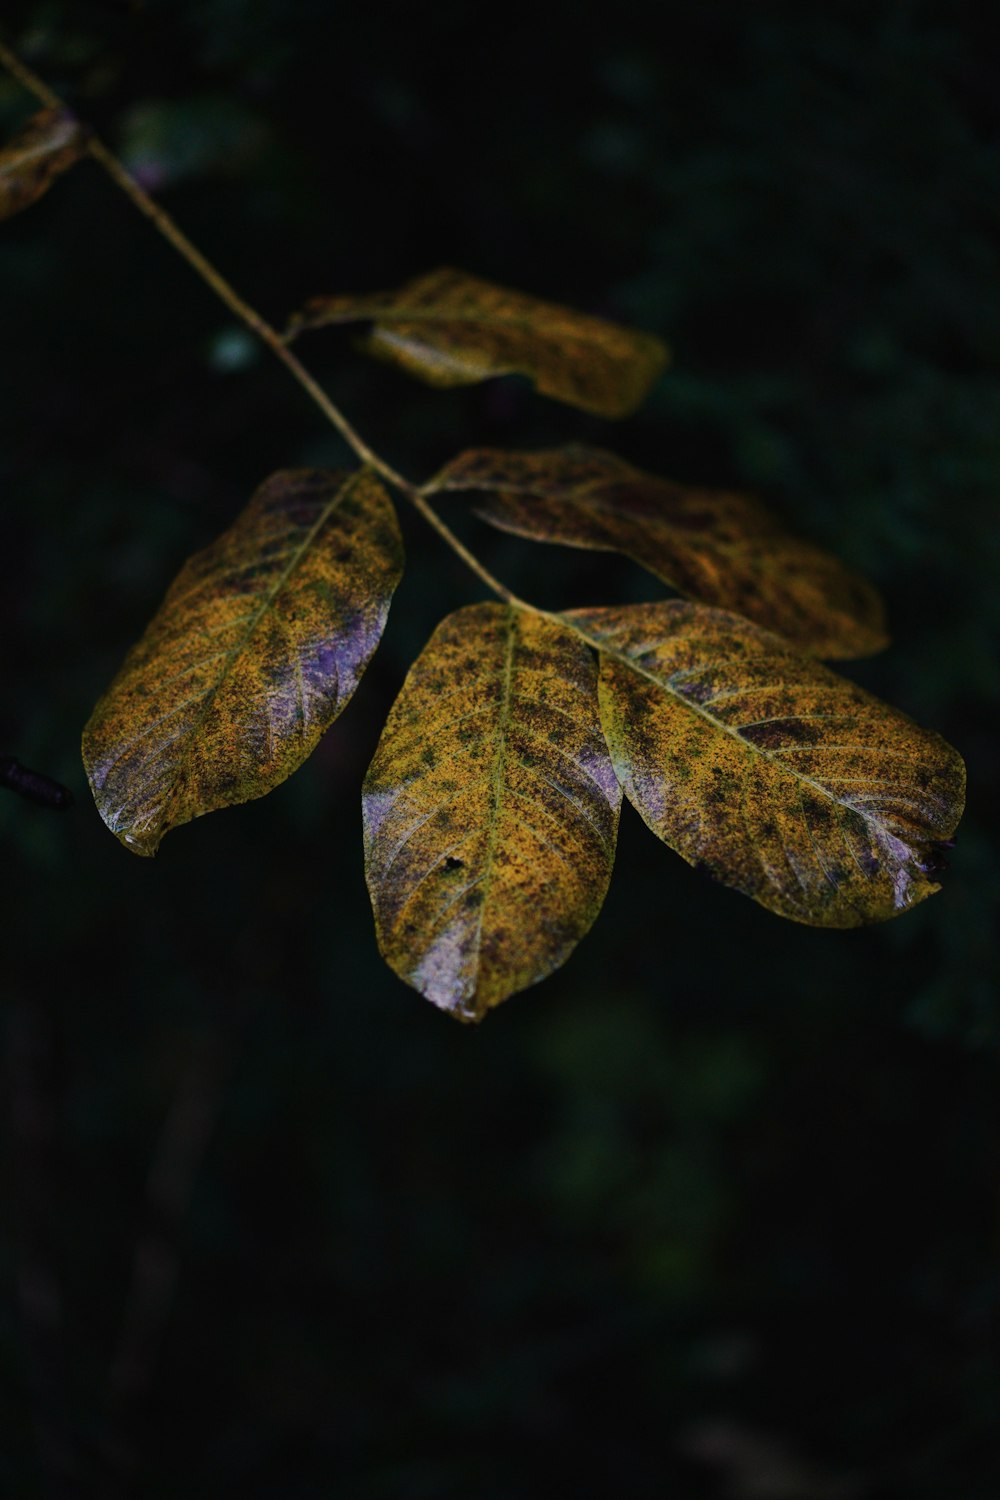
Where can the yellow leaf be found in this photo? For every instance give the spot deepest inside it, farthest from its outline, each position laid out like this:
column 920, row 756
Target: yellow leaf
column 257, row 647
column 767, row 770
column 490, row 809
column 712, row 545
column 449, row 328
column 31, row 161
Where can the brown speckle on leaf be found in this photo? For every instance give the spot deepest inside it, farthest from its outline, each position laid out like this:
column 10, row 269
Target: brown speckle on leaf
column 494, row 859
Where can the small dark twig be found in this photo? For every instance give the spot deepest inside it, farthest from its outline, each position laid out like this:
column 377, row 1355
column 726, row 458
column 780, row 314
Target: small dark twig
column 33, row 785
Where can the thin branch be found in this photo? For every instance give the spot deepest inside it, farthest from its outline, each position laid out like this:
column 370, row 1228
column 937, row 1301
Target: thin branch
column 35, row 786
column 29, row 80
column 259, row 326
column 247, row 315
column 419, row 501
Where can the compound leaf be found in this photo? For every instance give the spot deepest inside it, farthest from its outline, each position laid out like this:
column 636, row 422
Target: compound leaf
column 257, row 647
column 41, row 151
column 490, row 809
column 721, row 548
column 449, row 328
column 769, row 771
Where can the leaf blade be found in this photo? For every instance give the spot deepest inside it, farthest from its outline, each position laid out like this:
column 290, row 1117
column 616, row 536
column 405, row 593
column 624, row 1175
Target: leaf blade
column 714, row 546
column 490, row 810
column 449, row 328
column 257, row 647
column 781, row 779
column 48, row 145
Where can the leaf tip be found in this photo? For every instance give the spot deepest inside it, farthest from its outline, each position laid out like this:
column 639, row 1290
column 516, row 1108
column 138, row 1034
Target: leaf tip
column 466, row 1014
column 42, row 150
column 442, row 981
column 145, row 847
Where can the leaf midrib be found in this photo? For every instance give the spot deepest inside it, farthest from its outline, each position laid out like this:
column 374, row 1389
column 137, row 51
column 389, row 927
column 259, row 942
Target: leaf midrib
column 584, row 495
column 15, row 165
column 782, row 767
column 55, row 130
column 255, row 619
column 733, row 552
column 496, row 780
column 525, row 323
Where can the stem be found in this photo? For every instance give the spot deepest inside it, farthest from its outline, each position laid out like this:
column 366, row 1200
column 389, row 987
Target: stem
column 259, row 326
column 29, row 80
column 247, row 315
column 419, row 502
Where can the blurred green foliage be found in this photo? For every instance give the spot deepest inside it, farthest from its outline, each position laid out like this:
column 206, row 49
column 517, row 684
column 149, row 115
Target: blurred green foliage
column 718, row 1202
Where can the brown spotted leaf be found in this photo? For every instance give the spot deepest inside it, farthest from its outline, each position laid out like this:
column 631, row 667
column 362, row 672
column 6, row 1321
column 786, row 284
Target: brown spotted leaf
column 40, row 152
column 490, row 809
column 720, row 548
column 449, row 328
column 257, row 647
column 767, row 770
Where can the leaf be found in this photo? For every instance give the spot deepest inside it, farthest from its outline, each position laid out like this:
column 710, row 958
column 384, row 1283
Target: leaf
column 257, row 647
column 767, row 770
column 449, row 328
column 490, row 809
column 715, row 546
column 40, row 152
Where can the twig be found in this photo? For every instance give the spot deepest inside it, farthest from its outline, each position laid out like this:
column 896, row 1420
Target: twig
column 263, row 330
column 34, row 786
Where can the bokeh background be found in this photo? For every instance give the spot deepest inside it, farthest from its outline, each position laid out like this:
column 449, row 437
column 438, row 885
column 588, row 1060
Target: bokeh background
column 714, row 1211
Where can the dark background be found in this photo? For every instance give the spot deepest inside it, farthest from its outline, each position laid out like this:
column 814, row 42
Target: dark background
column 714, row 1211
